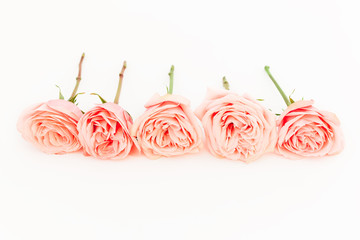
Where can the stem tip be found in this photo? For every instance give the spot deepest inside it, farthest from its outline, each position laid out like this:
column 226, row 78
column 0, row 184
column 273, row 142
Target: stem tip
column 78, row 78
column 226, row 84
column 171, row 84
column 121, row 77
column 171, row 70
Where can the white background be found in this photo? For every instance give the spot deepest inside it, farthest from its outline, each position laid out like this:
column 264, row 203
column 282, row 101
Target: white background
column 311, row 45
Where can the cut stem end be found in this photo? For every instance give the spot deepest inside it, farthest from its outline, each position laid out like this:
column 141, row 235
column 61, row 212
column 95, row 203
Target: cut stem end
column 78, row 78
column 171, row 84
column 121, row 77
column 226, row 84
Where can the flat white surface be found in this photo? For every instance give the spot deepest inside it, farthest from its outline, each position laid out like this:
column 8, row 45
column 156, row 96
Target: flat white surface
column 311, row 45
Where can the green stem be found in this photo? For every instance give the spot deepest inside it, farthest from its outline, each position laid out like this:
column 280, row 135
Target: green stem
column 78, row 78
column 171, row 84
column 121, row 77
column 287, row 101
column 226, row 84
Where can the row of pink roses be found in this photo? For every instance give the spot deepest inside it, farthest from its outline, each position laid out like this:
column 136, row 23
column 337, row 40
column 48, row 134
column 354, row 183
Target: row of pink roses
column 236, row 127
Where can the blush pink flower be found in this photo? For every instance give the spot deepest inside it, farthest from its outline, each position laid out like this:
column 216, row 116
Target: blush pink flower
column 236, row 127
column 305, row 131
column 51, row 126
column 104, row 132
column 167, row 128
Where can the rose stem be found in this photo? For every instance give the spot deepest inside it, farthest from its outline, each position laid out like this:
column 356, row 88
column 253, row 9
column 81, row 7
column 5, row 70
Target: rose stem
column 78, row 78
column 287, row 101
column 226, row 84
column 171, row 84
column 121, row 77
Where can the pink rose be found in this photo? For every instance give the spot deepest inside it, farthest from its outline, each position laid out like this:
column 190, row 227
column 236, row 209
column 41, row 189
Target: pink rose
column 305, row 131
column 51, row 126
column 167, row 128
column 104, row 132
column 236, row 127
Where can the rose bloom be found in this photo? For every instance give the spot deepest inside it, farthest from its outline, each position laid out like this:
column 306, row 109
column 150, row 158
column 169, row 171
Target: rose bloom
column 168, row 127
column 51, row 126
column 104, row 132
column 236, row 127
column 305, row 131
